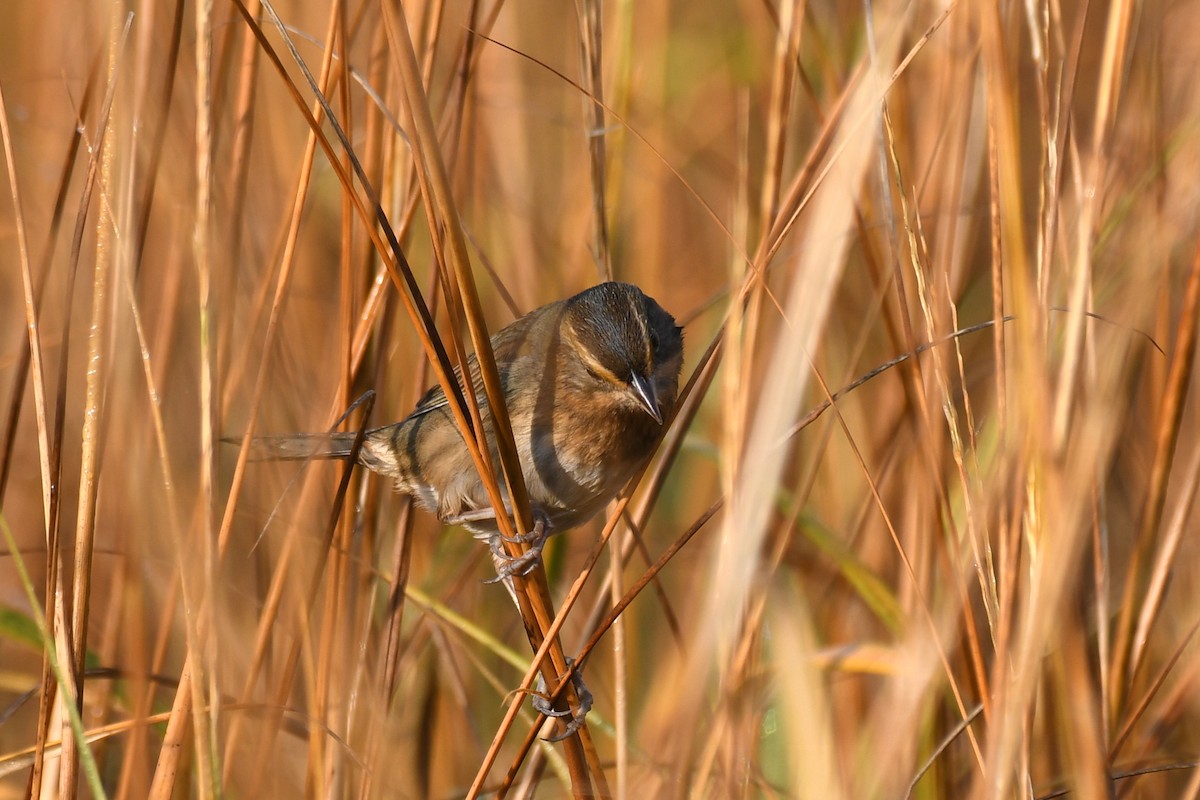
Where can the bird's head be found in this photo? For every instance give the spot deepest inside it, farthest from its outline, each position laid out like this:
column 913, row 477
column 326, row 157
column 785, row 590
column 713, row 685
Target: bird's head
column 626, row 339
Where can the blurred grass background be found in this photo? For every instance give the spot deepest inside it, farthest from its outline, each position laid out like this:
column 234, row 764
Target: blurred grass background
column 977, row 577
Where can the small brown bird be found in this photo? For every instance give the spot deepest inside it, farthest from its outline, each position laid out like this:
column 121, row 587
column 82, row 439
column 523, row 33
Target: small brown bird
column 588, row 381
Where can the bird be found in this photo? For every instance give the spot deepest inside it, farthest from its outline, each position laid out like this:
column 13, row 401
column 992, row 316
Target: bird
column 588, row 381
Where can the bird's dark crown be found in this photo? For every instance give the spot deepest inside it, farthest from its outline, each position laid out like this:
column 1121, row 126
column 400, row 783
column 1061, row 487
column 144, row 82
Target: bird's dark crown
column 623, row 332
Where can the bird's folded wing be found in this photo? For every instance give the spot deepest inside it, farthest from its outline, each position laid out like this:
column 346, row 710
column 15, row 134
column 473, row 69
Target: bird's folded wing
column 508, row 345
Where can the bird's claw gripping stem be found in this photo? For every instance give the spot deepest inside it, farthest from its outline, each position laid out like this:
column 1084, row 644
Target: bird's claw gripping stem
column 506, row 565
column 578, row 715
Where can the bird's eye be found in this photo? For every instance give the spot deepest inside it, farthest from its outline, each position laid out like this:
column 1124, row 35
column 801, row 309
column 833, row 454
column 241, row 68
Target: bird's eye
column 653, row 340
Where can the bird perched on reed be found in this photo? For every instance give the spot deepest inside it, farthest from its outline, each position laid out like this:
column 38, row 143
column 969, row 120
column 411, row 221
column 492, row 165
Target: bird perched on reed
column 588, row 382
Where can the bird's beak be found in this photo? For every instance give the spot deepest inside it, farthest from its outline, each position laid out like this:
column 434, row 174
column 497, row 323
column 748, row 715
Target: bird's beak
column 643, row 390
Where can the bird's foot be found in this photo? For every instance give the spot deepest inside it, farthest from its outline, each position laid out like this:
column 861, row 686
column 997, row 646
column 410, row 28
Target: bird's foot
column 541, row 530
column 542, row 705
column 506, row 565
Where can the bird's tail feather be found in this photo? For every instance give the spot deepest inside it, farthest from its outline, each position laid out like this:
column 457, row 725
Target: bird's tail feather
column 300, row 446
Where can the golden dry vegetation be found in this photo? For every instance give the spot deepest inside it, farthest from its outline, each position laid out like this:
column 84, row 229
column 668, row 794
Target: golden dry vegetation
column 974, row 576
